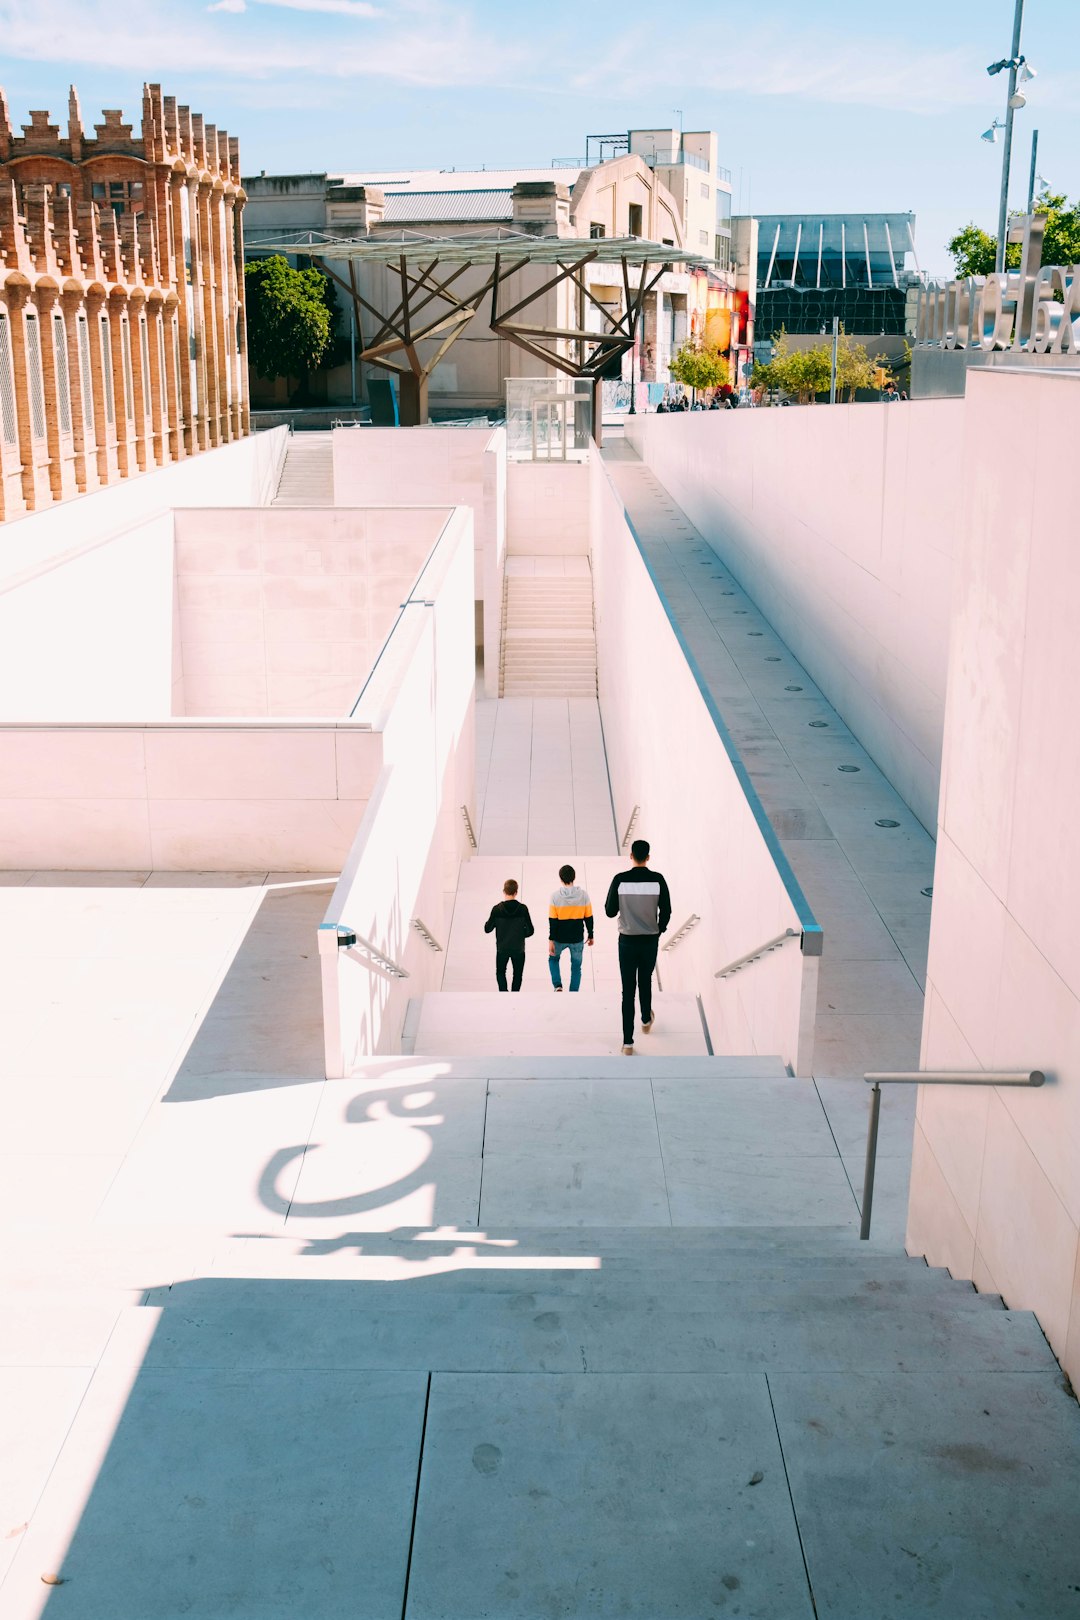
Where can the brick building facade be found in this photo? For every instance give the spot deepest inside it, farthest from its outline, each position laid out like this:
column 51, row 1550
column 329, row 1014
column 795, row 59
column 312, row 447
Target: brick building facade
column 121, row 299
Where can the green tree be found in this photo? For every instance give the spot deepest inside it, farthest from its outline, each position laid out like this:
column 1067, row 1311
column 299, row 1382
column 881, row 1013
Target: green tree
column 291, row 316
column 854, row 367
column 698, row 367
column 974, row 250
column 802, row 372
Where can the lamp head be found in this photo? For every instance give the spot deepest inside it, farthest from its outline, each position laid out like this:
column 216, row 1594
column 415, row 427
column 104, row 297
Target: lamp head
column 1017, row 101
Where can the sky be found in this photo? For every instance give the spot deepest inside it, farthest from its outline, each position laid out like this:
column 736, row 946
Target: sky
column 837, row 106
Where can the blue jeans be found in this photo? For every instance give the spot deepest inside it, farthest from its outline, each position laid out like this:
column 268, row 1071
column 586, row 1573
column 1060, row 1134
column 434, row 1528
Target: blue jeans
column 576, row 952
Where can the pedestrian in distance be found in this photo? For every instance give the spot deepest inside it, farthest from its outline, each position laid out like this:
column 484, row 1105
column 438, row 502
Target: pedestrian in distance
column 640, row 900
column 511, row 924
column 569, row 917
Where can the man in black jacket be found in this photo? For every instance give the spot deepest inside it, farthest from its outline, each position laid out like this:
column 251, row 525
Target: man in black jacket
column 640, row 900
column 511, row 924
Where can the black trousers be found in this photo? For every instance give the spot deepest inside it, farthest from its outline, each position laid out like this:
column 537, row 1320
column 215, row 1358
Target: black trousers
column 517, row 962
column 637, row 958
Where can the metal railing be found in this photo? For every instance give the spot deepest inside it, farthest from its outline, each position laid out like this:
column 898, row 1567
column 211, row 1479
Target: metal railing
column 467, row 819
column 753, row 956
column 931, row 1077
column 360, row 949
column 680, row 933
column 426, row 935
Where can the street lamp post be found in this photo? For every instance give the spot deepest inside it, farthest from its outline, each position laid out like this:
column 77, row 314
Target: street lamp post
column 1003, row 206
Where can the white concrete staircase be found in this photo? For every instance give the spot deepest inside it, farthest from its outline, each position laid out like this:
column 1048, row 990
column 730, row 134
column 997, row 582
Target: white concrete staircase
column 307, row 472
column 548, row 641
column 544, row 1393
column 587, row 1023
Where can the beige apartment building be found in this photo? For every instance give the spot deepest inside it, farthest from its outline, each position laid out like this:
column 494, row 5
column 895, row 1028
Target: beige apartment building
column 121, row 298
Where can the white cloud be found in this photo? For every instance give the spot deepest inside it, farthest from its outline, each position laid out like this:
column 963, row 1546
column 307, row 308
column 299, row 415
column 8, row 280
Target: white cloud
column 337, row 8
column 228, row 5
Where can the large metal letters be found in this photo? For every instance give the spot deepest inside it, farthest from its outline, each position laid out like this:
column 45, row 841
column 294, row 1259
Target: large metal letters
column 1032, row 310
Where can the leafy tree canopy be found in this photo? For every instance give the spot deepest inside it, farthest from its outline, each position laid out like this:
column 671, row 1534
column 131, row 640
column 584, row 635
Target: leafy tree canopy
column 974, row 250
column 698, row 367
column 808, row 372
column 290, row 317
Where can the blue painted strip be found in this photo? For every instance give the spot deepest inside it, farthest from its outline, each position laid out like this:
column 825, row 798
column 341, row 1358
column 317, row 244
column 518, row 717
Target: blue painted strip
column 807, row 921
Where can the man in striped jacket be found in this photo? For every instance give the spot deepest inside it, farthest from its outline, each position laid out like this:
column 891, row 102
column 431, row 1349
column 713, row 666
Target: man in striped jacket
column 569, row 915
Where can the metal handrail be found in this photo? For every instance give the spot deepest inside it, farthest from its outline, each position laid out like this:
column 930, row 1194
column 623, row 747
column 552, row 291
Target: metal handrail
column 752, row 956
column 340, row 937
column 929, row 1077
column 680, row 933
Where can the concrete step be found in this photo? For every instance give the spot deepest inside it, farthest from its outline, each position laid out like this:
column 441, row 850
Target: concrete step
column 808, row 1330
column 732, row 1282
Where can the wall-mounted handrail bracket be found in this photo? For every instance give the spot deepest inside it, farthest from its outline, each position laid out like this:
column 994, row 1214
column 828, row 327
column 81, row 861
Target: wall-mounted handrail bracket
column 928, row 1077
column 755, row 955
column 680, row 933
column 335, row 937
column 426, row 935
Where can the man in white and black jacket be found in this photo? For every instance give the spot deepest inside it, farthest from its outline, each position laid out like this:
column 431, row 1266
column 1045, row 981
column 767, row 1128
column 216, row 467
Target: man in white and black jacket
column 640, row 900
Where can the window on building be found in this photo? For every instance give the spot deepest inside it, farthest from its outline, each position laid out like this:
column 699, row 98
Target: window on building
column 704, row 189
column 144, row 346
column 723, row 206
column 596, row 232
column 722, row 252
column 35, row 377
column 162, row 383
column 82, row 331
column 8, row 426
column 635, row 219
column 107, row 372
column 125, row 361
column 703, row 238
column 63, row 387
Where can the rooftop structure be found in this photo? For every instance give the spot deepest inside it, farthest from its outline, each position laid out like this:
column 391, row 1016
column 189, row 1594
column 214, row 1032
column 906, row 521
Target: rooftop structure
column 672, row 195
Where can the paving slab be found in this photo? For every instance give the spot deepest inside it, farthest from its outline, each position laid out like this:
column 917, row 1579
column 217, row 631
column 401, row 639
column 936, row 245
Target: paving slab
column 612, row 1497
column 723, row 1187
column 604, row 1183
column 943, row 1493
column 266, row 1495
column 750, row 1117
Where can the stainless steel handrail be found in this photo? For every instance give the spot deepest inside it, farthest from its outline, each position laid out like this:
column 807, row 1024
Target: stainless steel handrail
column 929, row 1077
column 752, row 956
column 340, row 937
column 680, row 933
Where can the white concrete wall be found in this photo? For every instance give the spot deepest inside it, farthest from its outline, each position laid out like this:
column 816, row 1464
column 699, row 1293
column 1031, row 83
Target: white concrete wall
column 403, row 863
column 91, row 637
column 183, row 796
column 709, row 835
column 995, row 1186
column 842, row 524
column 442, row 467
column 547, row 508
column 240, row 474
column 283, row 610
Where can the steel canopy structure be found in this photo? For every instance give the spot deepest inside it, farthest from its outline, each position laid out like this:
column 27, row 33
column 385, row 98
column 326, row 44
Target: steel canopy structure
column 433, row 303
